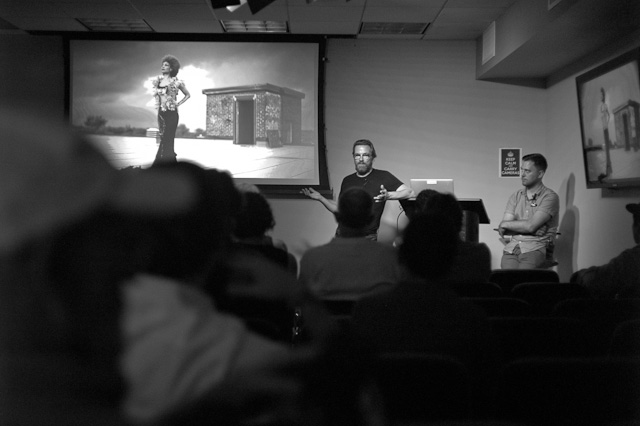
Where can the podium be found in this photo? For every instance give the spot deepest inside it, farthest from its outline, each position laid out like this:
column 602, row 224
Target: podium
column 473, row 214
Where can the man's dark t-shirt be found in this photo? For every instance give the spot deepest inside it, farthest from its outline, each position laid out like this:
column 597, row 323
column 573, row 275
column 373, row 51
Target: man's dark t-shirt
column 371, row 184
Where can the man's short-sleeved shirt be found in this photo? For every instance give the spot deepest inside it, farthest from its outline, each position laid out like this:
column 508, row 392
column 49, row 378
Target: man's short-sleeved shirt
column 547, row 201
column 371, row 184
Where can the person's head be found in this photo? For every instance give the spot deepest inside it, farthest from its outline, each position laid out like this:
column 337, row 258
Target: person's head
column 246, row 187
column 171, row 64
column 429, row 245
column 534, row 167
column 66, row 222
column 634, row 209
column 363, row 155
column 421, row 199
column 255, row 218
column 187, row 245
column 355, row 210
column 447, row 204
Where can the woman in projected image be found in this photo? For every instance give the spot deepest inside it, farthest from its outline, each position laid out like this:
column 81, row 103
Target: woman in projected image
column 165, row 90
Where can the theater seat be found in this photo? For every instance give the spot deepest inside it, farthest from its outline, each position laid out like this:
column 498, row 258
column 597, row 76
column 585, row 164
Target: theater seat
column 503, row 306
column 522, row 337
column 508, row 278
column 543, row 296
column 423, row 387
column 568, row 392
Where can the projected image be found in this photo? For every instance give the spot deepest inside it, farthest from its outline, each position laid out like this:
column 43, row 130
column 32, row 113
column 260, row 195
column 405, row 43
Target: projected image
column 246, row 107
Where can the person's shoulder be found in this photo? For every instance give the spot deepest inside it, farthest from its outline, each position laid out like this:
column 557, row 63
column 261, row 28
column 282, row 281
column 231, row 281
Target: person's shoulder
column 381, row 172
column 632, row 254
column 319, row 249
column 349, row 177
column 548, row 191
column 474, row 246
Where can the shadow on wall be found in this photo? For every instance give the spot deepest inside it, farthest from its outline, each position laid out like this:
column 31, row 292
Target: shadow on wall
column 566, row 251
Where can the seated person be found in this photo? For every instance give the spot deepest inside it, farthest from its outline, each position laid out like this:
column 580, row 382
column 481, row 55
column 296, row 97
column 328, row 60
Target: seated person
column 530, row 220
column 350, row 266
column 620, row 278
column 422, row 313
column 473, row 260
column 253, row 223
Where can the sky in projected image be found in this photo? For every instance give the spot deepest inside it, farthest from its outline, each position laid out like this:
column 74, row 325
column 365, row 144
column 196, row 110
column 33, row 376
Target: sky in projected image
column 112, row 79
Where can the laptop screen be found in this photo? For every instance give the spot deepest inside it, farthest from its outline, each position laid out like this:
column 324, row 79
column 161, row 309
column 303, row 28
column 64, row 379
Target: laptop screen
column 440, row 185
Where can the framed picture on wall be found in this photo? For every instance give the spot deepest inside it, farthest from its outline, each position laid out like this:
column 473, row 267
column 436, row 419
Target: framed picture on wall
column 609, row 107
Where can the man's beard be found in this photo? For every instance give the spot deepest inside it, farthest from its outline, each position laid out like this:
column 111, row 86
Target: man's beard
column 362, row 168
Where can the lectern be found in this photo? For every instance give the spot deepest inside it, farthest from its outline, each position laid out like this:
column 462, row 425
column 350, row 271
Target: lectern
column 473, row 214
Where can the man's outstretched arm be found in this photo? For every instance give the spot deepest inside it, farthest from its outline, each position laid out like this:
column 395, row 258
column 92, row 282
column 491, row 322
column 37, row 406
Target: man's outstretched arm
column 330, row 205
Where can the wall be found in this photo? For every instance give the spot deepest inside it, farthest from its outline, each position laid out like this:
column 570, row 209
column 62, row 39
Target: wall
column 420, row 104
column 33, row 73
column 594, row 223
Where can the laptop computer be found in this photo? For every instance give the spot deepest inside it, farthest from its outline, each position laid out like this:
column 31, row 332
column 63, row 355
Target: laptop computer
column 440, row 185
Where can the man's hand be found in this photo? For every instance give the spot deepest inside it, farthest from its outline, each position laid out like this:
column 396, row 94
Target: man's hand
column 311, row 193
column 384, row 195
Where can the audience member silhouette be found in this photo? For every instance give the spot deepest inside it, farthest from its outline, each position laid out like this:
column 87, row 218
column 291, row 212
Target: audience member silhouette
column 472, row 263
column 350, row 266
column 422, row 313
column 101, row 326
column 620, row 278
column 254, row 221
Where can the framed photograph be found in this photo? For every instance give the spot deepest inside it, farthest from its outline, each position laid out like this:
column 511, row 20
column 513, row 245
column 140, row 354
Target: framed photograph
column 609, row 107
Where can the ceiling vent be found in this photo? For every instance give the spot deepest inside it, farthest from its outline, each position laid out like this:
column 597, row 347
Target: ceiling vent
column 128, row 25
column 391, row 28
column 255, row 26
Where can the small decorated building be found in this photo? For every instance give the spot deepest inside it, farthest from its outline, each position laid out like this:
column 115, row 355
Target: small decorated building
column 627, row 119
column 260, row 112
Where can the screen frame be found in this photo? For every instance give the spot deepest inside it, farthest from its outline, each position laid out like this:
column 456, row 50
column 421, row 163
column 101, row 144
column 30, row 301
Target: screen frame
column 596, row 77
column 271, row 191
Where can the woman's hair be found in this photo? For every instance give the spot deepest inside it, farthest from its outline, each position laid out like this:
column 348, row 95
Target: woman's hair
column 173, row 63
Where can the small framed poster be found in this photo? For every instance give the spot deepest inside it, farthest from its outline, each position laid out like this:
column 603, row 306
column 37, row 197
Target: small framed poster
column 510, row 161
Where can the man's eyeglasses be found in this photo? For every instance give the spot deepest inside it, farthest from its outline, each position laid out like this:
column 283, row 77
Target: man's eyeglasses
column 361, row 156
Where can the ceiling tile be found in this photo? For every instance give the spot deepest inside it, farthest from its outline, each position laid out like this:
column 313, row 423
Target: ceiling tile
column 394, row 14
column 205, row 26
column 325, row 14
column 102, row 10
column 47, row 24
column 469, row 15
column 177, row 12
column 317, row 27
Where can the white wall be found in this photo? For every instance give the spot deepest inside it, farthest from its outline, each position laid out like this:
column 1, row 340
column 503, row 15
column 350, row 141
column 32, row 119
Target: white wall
column 428, row 116
column 594, row 223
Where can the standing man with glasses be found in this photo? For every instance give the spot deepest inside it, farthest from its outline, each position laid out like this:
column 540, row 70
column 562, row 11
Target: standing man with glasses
column 379, row 184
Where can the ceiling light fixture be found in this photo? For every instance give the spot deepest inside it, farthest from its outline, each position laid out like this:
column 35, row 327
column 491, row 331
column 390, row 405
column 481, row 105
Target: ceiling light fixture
column 128, row 25
column 255, row 27
column 231, row 5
